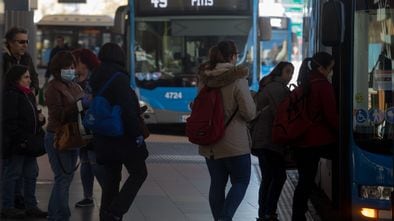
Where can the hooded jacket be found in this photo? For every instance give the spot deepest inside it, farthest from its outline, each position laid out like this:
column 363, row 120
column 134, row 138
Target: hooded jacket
column 267, row 101
column 235, row 92
column 321, row 106
column 122, row 148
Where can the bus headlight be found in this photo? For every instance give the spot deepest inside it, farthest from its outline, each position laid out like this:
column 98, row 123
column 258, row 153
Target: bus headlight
column 370, row 213
column 149, row 109
column 376, row 192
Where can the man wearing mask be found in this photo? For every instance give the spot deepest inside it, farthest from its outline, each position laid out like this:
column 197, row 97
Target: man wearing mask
column 15, row 52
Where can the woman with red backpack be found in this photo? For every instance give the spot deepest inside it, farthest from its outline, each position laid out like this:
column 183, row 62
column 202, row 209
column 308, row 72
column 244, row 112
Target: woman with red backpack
column 228, row 158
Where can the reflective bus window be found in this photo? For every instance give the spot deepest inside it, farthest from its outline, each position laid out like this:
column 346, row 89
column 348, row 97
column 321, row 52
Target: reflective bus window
column 373, row 108
column 169, row 53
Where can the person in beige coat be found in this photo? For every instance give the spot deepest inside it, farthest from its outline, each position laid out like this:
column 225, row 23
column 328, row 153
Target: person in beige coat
column 230, row 156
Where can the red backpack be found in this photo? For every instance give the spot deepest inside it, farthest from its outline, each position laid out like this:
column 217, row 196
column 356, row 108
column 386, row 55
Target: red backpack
column 206, row 123
column 292, row 119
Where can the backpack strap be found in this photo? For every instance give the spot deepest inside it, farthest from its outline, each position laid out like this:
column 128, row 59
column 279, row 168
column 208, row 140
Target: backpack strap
column 108, row 82
column 231, row 118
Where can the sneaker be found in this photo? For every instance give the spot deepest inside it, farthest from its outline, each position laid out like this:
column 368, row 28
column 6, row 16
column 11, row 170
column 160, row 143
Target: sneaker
column 36, row 212
column 85, row 203
column 13, row 213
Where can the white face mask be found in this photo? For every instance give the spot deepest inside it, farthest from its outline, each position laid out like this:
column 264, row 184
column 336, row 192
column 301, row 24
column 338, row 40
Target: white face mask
column 67, row 74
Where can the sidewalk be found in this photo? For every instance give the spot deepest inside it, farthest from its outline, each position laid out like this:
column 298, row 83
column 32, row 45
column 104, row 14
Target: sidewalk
column 176, row 188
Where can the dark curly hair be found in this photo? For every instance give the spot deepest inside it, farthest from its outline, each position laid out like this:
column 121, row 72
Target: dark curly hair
column 14, row 74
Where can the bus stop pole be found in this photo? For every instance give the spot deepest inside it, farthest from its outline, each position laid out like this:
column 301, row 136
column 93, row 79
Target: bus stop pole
column 132, row 44
column 256, row 47
column 1, row 102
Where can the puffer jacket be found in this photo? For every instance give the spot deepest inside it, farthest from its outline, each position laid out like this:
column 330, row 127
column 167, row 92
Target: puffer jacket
column 235, row 92
column 267, row 101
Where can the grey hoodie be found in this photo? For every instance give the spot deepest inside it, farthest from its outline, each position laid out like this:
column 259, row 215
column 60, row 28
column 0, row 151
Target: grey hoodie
column 267, row 101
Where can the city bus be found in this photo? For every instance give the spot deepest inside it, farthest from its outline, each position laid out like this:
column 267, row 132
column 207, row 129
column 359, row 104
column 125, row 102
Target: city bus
column 79, row 31
column 359, row 35
column 167, row 40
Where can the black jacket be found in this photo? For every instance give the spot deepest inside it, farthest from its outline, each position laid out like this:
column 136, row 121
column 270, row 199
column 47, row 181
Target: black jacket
column 20, row 119
column 9, row 61
column 117, row 93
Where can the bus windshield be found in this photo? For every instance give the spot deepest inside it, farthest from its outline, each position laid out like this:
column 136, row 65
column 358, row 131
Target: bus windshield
column 373, row 115
column 279, row 48
column 168, row 53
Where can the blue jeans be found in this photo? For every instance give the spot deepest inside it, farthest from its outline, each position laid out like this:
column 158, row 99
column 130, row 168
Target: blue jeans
column 89, row 169
column 272, row 167
column 16, row 168
column 63, row 164
column 238, row 169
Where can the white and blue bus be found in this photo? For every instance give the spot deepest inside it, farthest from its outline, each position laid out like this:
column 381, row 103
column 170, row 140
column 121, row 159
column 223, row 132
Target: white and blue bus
column 279, row 47
column 167, row 40
column 360, row 36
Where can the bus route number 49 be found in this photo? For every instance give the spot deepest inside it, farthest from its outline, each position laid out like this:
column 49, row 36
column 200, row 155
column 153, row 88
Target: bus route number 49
column 173, row 95
column 159, row 3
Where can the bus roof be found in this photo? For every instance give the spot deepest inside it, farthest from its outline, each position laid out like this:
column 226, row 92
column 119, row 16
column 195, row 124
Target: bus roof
column 76, row 20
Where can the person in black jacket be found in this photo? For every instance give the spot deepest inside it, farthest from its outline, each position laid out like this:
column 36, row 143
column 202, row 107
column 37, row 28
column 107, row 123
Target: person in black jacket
column 21, row 120
column 114, row 152
column 60, row 46
column 15, row 52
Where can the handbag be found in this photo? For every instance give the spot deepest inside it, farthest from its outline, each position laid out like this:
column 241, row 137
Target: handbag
column 68, row 137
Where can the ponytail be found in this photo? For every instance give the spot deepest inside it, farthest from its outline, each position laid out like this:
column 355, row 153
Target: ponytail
column 323, row 59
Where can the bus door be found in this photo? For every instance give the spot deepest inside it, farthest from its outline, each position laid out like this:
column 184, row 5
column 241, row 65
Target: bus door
column 373, row 106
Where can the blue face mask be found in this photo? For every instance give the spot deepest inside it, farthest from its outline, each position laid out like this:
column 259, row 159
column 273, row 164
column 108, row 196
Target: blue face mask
column 67, row 74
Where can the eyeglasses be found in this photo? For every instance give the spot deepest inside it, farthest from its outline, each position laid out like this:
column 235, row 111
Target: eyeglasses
column 22, row 41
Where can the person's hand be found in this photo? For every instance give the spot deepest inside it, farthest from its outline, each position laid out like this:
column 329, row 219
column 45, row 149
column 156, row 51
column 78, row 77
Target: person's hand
column 41, row 117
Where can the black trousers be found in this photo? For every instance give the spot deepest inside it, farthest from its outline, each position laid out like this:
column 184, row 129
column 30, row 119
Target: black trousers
column 272, row 167
column 307, row 163
column 115, row 202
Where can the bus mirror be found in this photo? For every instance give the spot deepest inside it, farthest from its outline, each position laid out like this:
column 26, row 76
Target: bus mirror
column 265, row 29
column 120, row 20
column 333, row 23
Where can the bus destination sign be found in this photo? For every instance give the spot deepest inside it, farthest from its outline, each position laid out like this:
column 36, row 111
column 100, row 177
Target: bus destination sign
column 188, row 7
